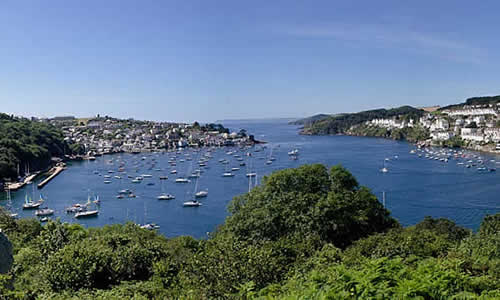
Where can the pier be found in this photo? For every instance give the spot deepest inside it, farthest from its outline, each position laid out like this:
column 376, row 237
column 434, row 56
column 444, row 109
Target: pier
column 55, row 171
column 17, row 185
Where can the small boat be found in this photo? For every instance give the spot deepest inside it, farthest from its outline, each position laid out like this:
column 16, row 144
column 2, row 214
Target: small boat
column 201, row 194
column 107, row 176
column 173, row 172
column 44, row 212
column 181, row 180
column 107, row 181
column 31, row 205
column 228, row 174
column 293, row 152
column 384, row 170
column 192, row 203
column 163, row 177
column 118, row 177
column 76, row 208
column 165, row 197
column 132, row 195
column 120, row 196
column 44, row 219
column 87, row 214
column 251, row 174
column 146, row 175
column 150, row 183
column 235, row 169
column 150, row 226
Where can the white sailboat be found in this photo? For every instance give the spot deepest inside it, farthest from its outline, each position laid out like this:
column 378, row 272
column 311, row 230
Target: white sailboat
column 384, row 169
column 87, row 212
column 199, row 194
column 193, row 202
column 163, row 195
column 44, row 211
column 28, row 201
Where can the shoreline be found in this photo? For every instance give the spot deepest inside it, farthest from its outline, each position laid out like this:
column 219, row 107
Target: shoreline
column 480, row 148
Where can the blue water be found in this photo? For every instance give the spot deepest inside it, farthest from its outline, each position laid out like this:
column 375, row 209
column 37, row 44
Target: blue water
column 415, row 187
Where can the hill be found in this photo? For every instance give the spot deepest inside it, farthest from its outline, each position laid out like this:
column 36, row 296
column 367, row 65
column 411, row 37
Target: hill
column 26, row 144
column 309, row 120
column 339, row 124
column 484, row 100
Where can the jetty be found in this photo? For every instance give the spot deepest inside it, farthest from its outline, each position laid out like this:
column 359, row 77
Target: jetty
column 17, row 185
column 53, row 173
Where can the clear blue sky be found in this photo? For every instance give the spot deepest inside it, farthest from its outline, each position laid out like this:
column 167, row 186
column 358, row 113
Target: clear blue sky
column 207, row 60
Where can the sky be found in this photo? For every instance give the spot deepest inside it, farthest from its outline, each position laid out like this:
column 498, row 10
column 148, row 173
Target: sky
column 211, row 60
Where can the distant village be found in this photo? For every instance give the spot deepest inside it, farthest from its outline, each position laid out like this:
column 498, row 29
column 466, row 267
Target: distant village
column 103, row 135
column 477, row 125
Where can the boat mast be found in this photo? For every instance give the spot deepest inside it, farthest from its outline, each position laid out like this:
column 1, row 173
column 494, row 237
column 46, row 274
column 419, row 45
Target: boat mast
column 383, row 198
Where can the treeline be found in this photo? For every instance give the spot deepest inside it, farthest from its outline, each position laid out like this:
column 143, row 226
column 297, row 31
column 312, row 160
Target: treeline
column 24, row 144
column 338, row 124
column 305, row 233
column 485, row 100
column 309, row 120
column 410, row 134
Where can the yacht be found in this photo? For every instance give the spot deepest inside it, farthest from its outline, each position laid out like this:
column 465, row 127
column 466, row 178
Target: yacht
column 194, row 175
column 294, row 152
column 31, row 205
column 150, row 226
column 44, row 212
column 166, row 197
column 87, row 214
column 201, row 194
column 192, row 203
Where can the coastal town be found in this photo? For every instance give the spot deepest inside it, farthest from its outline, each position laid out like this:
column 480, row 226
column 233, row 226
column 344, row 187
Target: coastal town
column 471, row 126
column 105, row 135
column 86, row 138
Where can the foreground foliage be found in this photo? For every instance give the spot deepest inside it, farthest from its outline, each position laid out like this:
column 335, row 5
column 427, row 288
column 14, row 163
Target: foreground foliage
column 305, row 233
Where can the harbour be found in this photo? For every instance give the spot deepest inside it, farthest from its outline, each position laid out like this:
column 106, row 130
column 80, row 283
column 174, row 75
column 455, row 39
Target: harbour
column 414, row 186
